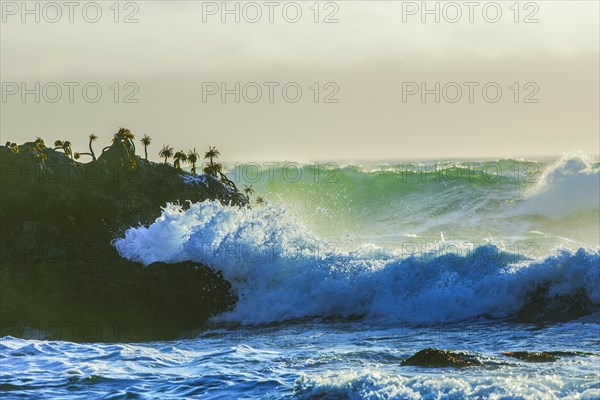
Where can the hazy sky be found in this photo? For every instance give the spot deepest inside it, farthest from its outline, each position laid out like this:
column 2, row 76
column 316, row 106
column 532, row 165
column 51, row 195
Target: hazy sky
column 375, row 61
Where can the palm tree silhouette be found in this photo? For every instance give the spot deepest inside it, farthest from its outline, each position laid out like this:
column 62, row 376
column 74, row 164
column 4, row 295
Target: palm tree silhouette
column 248, row 190
column 166, row 152
column 146, row 142
column 123, row 137
column 216, row 169
column 213, row 169
column 38, row 150
column 260, row 200
column 92, row 137
column 129, row 138
column 211, row 154
column 65, row 146
column 192, row 158
column 178, row 157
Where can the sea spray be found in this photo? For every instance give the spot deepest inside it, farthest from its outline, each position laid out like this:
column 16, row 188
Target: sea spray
column 281, row 271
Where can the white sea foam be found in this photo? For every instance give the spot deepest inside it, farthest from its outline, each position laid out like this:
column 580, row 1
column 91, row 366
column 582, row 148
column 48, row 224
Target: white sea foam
column 280, row 271
column 375, row 384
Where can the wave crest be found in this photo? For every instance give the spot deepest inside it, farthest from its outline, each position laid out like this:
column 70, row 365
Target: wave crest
column 571, row 185
column 280, row 271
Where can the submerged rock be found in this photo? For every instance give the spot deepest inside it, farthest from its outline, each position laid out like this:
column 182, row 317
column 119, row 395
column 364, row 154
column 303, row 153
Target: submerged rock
column 432, row 357
column 531, row 356
column 544, row 356
column 60, row 273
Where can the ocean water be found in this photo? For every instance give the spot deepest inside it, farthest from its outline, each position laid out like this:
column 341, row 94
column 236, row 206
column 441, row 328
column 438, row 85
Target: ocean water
column 348, row 269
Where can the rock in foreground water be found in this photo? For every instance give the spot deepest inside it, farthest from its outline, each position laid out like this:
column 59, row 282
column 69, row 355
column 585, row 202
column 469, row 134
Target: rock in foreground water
column 432, row 357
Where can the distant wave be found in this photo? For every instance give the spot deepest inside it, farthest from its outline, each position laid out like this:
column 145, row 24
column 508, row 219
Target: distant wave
column 569, row 186
column 425, row 198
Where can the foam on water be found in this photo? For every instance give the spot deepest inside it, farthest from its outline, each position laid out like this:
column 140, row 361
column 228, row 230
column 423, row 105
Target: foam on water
column 281, row 271
column 310, row 359
column 375, row 384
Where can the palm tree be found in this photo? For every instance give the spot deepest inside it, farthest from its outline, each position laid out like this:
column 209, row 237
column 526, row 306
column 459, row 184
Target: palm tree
column 178, row 157
column 211, row 153
column 213, row 169
column 38, row 150
column 92, row 137
column 166, row 152
column 129, row 137
column 260, row 200
column 146, row 142
column 192, row 158
column 123, row 137
column 248, row 190
column 65, row 146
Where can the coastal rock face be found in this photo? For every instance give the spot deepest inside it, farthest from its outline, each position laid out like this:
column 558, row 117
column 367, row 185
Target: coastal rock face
column 441, row 358
column 61, row 276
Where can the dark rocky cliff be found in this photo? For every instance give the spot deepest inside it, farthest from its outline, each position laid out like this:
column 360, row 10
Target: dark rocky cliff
column 60, row 275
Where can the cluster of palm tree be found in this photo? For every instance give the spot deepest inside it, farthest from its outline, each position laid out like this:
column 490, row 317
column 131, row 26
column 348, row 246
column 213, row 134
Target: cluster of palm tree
column 216, row 169
column 38, row 148
column 65, row 146
column 191, row 157
column 123, row 138
column 126, row 139
column 212, row 168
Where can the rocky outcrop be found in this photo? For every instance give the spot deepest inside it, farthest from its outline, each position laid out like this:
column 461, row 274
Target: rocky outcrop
column 432, row 357
column 544, row 356
column 436, row 358
column 531, row 356
column 60, row 274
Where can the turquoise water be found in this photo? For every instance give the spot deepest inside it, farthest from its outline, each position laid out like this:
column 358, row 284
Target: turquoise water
column 346, row 270
column 551, row 202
